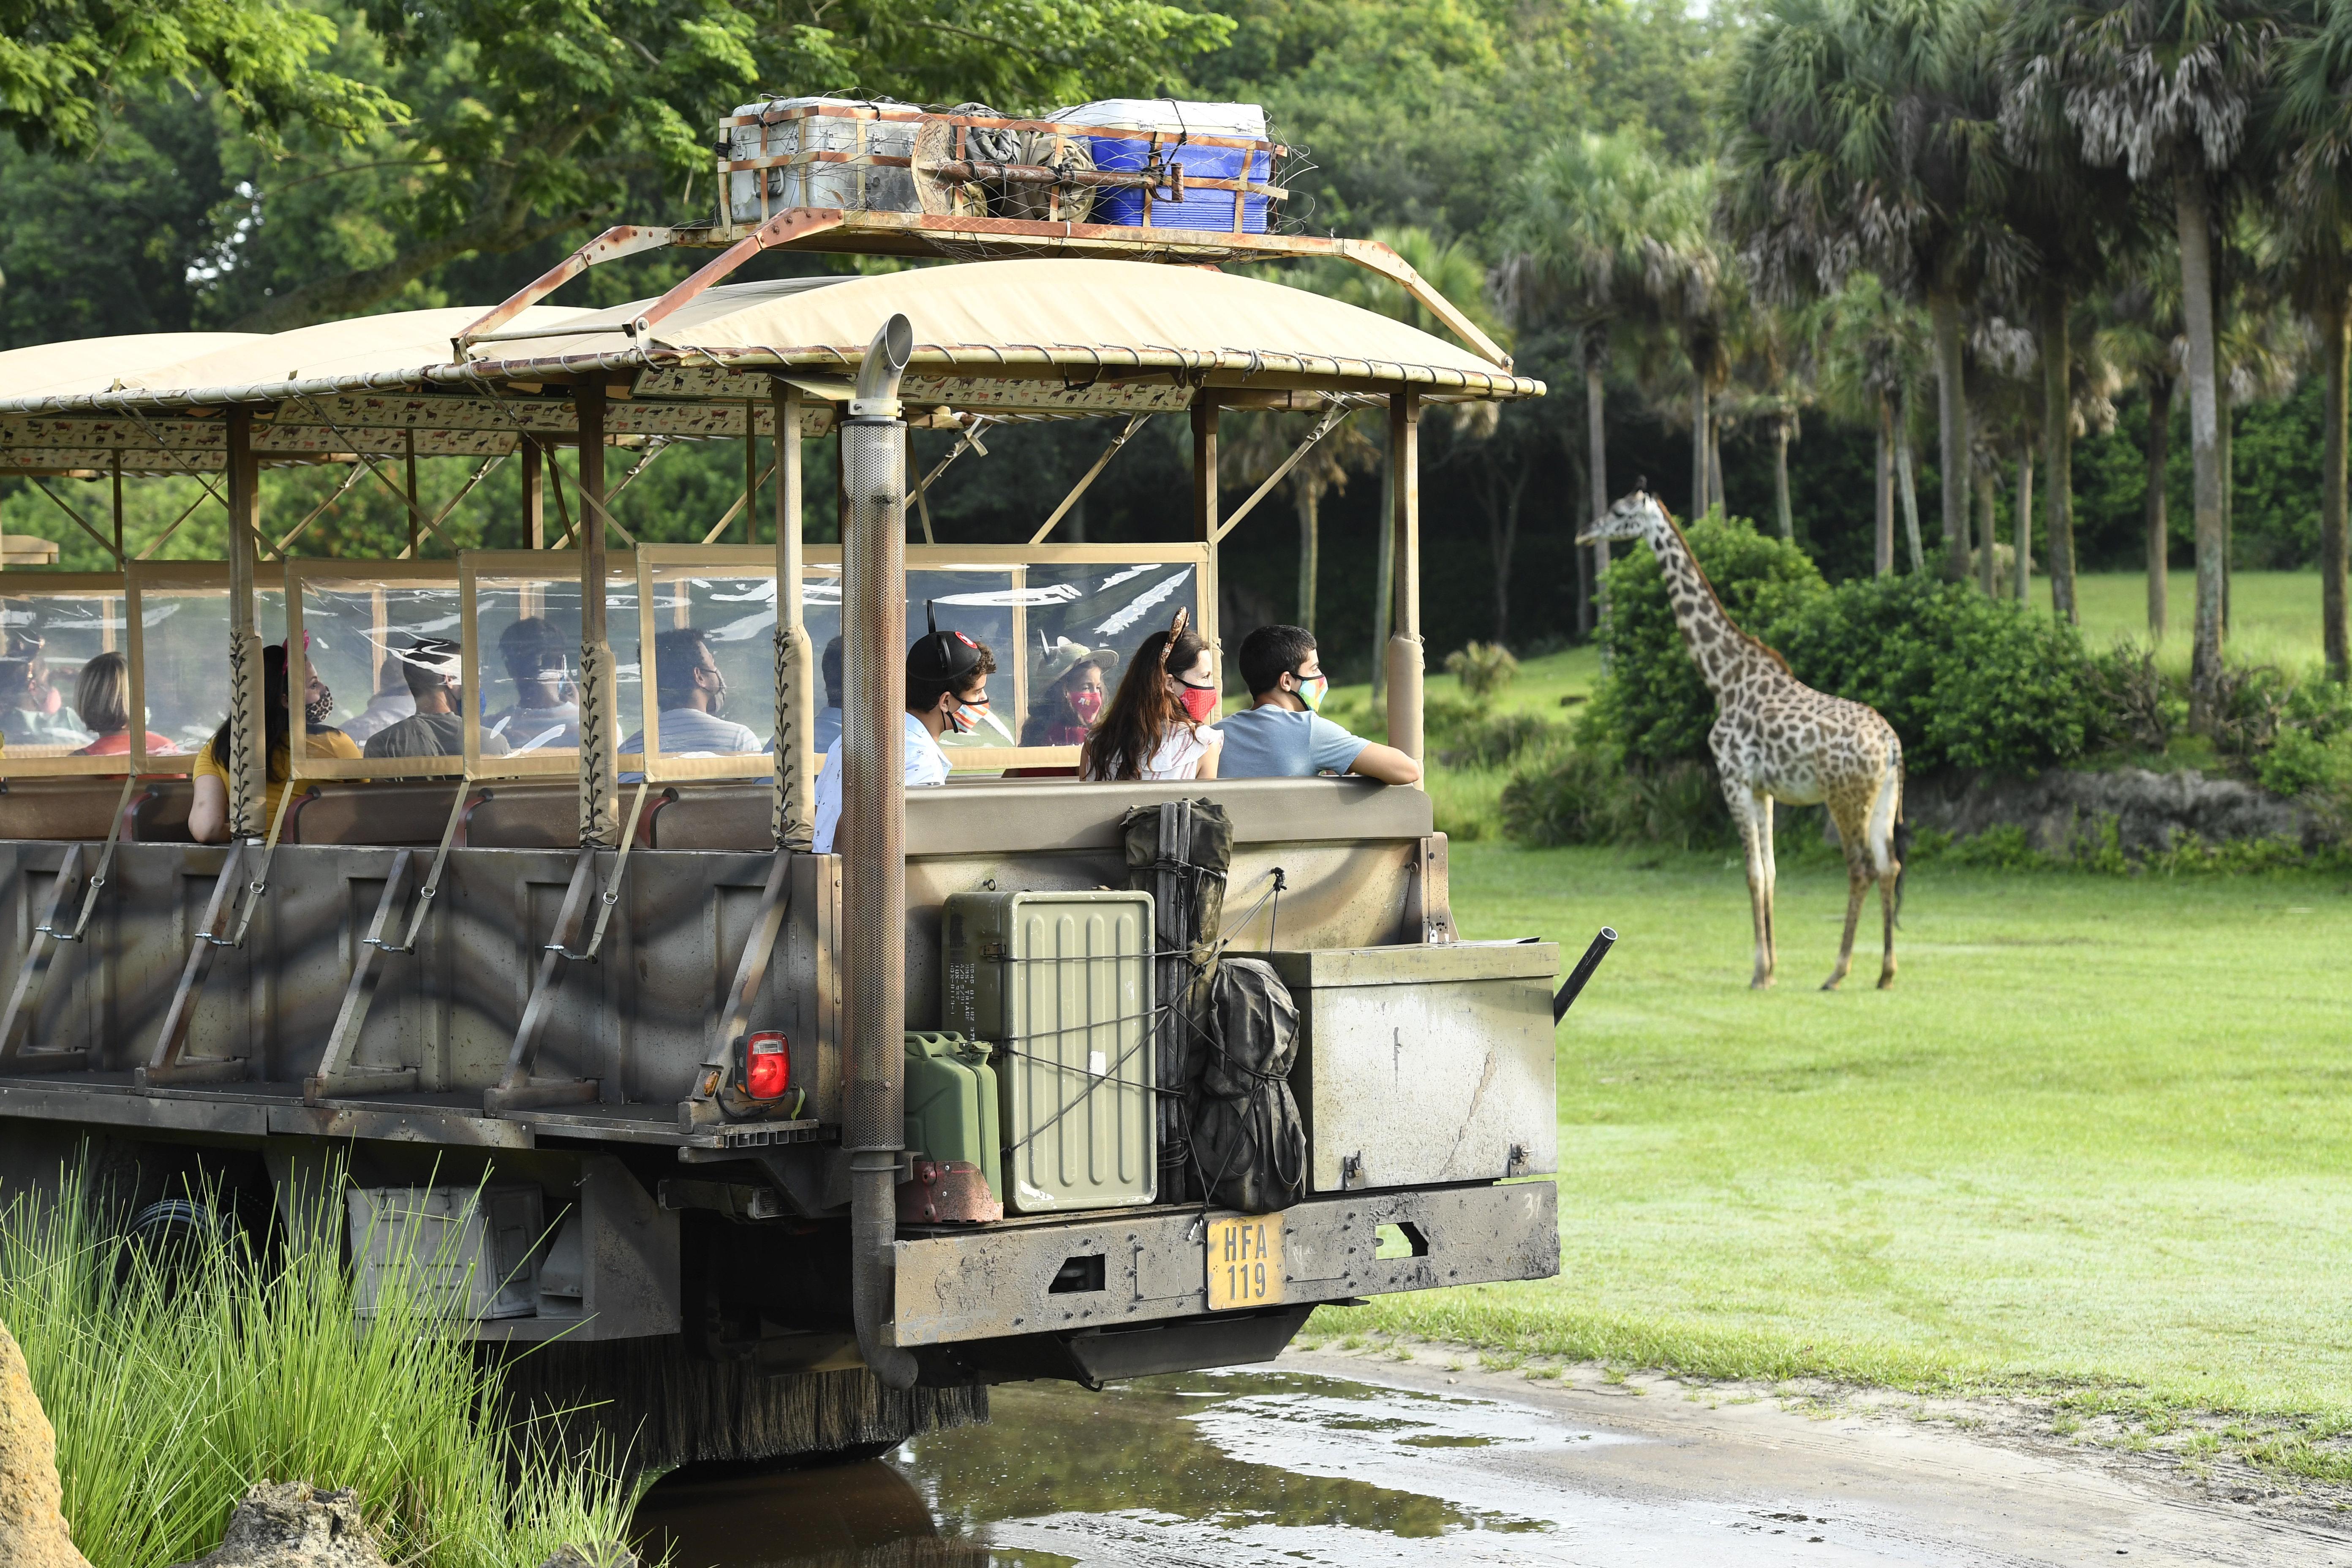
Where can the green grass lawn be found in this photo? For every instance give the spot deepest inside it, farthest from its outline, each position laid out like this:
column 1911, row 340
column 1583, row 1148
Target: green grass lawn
column 2094, row 1138
column 2273, row 615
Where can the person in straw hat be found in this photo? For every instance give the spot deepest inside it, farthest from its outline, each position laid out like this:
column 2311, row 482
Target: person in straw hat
column 1072, row 685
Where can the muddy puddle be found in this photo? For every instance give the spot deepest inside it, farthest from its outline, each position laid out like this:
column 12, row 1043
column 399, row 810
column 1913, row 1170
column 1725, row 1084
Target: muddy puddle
column 1235, row 1469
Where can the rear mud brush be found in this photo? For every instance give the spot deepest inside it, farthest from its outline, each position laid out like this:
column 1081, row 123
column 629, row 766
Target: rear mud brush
column 872, row 841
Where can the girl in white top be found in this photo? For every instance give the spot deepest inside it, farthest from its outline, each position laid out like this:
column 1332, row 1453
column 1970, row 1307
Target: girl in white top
column 1158, row 727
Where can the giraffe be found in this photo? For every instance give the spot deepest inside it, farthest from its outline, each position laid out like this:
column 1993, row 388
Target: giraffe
column 1775, row 738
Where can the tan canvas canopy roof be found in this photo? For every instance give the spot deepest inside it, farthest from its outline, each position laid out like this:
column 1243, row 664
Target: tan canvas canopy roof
column 95, row 364
column 1062, row 335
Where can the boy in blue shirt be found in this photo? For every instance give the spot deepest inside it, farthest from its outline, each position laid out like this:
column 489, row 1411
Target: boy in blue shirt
column 1283, row 736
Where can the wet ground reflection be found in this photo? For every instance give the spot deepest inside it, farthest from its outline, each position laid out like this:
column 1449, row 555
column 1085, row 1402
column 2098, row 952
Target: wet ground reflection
column 1235, row 1468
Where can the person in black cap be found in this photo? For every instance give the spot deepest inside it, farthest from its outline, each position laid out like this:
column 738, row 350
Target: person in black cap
column 435, row 670
column 946, row 689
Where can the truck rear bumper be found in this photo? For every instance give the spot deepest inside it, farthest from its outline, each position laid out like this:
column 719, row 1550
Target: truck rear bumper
column 1102, row 1270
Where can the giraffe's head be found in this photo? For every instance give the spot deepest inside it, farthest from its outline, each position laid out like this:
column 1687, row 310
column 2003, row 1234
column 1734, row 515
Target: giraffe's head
column 1632, row 517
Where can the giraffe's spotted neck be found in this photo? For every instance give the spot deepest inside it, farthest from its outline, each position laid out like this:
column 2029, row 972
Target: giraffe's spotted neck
column 1725, row 655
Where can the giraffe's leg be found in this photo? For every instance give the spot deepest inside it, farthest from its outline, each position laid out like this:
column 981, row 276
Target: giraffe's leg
column 1743, row 803
column 1768, row 939
column 1887, row 868
column 1852, row 827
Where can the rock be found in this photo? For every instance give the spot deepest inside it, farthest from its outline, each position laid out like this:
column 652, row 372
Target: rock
column 32, row 1530
column 606, row 1556
column 296, row 1525
column 2150, row 810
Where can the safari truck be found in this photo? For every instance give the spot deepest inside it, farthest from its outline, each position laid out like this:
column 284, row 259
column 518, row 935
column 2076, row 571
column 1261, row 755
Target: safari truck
column 689, row 1100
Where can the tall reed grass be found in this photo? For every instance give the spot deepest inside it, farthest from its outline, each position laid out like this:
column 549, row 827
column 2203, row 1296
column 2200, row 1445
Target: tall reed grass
column 177, row 1381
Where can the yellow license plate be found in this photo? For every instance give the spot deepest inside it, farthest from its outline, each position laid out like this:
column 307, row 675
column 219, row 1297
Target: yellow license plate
column 1244, row 1259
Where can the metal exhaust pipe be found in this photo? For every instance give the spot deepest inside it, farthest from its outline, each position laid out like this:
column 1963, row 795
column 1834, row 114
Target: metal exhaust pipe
column 874, row 836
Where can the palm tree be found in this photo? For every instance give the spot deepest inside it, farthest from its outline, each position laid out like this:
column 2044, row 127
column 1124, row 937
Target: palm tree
column 1260, row 447
column 1584, row 249
column 1863, row 138
column 2166, row 89
column 2070, row 219
column 2142, row 339
column 1869, row 345
column 2311, row 132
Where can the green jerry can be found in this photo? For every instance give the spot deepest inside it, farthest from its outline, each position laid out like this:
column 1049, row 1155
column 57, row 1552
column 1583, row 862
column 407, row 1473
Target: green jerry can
column 951, row 1132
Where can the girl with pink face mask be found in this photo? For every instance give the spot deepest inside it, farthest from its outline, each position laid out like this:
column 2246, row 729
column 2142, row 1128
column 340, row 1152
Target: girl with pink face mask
column 1073, row 688
column 1157, row 726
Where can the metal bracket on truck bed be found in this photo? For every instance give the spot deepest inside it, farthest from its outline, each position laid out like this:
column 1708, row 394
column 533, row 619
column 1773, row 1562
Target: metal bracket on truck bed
column 32, row 980
column 169, row 1062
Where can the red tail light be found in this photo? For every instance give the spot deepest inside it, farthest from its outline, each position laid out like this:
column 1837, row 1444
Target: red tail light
column 770, row 1071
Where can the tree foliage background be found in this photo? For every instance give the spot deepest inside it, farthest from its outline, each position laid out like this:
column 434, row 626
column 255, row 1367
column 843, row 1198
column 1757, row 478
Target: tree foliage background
column 258, row 164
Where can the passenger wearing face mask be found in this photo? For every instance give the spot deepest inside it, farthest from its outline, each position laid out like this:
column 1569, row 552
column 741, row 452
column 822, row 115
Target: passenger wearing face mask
column 947, row 691
column 1157, row 726
column 208, row 812
column 1282, row 735
column 1072, row 690
column 693, row 694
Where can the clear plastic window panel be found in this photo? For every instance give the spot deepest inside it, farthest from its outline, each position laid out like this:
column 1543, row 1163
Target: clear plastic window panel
column 1080, row 624
column 985, row 603
column 184, row 655
column 711, row 649
column 527, row 642
column 388, row 648
column 65, row 677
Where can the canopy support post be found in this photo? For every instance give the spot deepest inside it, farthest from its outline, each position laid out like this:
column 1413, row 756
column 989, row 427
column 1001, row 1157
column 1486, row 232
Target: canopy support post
column 119, row 557
column 794, row 814
column 248, row 726
column 414, row 541
column 534, row 491
column 1404, row 650
column 600, row 790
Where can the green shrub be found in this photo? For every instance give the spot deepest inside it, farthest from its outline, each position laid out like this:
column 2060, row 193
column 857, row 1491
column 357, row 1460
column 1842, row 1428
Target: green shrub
column 1483, row 668
column 1966, row 680
column 1477, row 739
column 1963, row 679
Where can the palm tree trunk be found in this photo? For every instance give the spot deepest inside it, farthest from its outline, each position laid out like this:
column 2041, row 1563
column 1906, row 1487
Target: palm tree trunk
column 1698, row 444
column 1310, row 543
column 1882, row 547
column 1952, row 402
column 2196, row 241
column 1504, row 525
column 2159, row 527
column 1715, row 463
column 2021, row 569
column 2058, row 451
column 2225, row 429
column 1988, row 483
column 1781, row 512
column 2336, row 344
column 1902, row 475
column 1596, row 475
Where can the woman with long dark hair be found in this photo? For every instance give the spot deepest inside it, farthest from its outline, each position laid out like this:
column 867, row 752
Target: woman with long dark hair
column 208, row 813
column 1157, row 726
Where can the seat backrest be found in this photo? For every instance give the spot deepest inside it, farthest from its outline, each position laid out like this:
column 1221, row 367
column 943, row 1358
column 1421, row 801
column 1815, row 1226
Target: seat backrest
column 394, row 812
column 714, row 816
column 160, row 814
column 525, row 815
column 58, row 807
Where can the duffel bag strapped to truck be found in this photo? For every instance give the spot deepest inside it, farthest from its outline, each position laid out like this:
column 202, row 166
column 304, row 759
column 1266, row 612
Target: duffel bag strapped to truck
column 1180, row 851
column 1248, row 1144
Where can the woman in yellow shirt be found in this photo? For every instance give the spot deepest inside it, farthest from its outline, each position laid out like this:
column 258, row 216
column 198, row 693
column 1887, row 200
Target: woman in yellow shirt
column 208, row 814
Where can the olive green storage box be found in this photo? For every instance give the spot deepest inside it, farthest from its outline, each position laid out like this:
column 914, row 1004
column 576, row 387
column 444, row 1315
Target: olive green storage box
column 952, row 1107
column 1060, row 984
